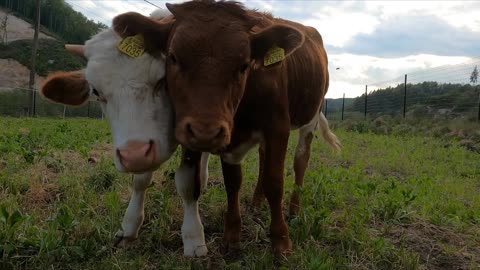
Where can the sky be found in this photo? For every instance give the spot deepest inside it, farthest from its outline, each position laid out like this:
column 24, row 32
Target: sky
column 370, row 43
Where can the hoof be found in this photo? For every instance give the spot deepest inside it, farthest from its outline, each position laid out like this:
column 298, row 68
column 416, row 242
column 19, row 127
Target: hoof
column 282, row 248
column 197, row 251
column 227, row 248
column 122, row 241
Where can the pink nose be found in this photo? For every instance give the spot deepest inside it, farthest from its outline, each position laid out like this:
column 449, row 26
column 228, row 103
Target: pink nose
column 138, row 156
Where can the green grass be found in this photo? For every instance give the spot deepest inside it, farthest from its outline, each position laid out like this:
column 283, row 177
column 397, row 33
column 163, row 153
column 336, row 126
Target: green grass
column 385, row 202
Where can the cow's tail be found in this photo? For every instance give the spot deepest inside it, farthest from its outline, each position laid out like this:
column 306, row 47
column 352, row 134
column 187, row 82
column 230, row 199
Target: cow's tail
column 327, row 134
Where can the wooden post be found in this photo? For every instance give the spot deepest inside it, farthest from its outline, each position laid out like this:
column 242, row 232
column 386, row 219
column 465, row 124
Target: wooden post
column 343, row 105
column 33, row 59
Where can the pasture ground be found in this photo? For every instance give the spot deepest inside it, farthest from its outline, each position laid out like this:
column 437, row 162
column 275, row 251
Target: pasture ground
column 384, row 202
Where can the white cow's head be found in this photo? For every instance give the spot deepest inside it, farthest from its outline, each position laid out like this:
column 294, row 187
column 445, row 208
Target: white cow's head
column 132, row 96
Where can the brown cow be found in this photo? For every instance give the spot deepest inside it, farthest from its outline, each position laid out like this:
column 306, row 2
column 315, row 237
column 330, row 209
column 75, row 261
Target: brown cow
column 230, row 94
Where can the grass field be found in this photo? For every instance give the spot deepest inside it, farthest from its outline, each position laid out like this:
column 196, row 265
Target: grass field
column 385, row 202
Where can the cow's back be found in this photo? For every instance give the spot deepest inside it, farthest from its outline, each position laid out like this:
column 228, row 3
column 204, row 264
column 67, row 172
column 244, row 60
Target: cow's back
column 306, row 71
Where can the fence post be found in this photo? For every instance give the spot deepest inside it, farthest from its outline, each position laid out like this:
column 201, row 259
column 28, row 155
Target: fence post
column 405, row 98
column 343, row 105
column 34, row 110
column 64, row 109
column 478, row 117
column 88, row 110
column 326, row 107
column 366, row 87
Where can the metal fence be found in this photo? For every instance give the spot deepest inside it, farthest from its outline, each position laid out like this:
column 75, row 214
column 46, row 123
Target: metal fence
column 439, row 93
column 446, row 92
column 19, row 102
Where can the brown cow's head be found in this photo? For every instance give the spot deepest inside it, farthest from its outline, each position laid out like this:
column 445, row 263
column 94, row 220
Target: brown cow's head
column 210, row 52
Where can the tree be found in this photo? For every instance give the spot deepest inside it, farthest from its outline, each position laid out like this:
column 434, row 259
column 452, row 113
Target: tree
column 3, row 29
column 474, row 75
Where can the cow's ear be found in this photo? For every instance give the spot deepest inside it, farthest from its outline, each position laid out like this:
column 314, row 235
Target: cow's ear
column 155, row 33
column 69, row 88
column 278, row 37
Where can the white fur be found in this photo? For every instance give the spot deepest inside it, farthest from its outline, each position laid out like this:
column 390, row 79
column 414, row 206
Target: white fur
column 192, row 228
column 134, row 109
column 133, row 219
column 204, row 170
column 138, row 111
column 302, row 134
column 236, row 155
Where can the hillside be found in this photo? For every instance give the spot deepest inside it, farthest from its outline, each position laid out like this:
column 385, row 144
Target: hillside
column 15, row 55
column 18, row 29
column 51, row 56
column 57, row 17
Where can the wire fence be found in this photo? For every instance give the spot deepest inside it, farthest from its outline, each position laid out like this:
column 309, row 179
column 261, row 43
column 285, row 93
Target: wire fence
column 446, row 92
column 20, row 102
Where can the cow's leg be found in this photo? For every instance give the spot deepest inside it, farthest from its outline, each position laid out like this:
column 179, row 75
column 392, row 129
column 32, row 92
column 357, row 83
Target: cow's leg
column 232, row 177
column 204, row 170
column 302, row 156
column 187, row 181
column 133, row 219
column 258, row 196
column 276, row 141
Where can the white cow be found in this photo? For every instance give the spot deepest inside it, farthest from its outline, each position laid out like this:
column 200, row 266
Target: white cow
column 134, row 100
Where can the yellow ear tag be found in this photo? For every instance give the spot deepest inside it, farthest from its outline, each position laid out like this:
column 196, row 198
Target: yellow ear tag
column 274, row 55
column 133, row 46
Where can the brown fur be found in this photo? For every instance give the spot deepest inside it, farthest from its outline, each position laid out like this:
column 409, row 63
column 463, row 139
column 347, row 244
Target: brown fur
column 219, row 86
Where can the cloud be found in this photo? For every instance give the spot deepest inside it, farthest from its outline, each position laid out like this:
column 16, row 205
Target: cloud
column 356, row 71
column 402, row 36
column 371, row 41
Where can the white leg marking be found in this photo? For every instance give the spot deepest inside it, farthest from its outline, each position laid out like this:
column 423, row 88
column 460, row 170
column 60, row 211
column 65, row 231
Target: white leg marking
column 133, row 218
column 192, row 228
column 204, row 171
column 302, row 134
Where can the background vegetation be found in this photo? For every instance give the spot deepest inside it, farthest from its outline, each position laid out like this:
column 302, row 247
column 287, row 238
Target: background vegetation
column 57, row 17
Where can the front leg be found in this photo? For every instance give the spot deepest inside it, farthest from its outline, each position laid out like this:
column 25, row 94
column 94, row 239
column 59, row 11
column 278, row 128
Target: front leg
column 258, row 196
column 134, row 215
column 232, row 178
column 276, row 141
column 188, row 183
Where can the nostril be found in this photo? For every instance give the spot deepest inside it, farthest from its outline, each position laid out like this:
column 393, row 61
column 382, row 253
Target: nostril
column 190, row 130
column 220, row 132
column 150, row 147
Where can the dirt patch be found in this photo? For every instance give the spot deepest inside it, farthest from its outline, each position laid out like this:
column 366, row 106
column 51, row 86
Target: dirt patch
column 437, row 247
column 15, row 75
column 99, row 152
column 42, row 188
column 19, row 29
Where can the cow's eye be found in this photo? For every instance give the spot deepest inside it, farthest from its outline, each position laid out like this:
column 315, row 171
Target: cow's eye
column 95, row 92
column 244, row 67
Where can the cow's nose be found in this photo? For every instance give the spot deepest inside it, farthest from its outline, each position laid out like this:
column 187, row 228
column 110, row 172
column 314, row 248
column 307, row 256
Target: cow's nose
column 138, row 156
column 205, row 135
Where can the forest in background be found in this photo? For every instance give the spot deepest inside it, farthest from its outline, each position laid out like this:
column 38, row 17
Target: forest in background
column 56, row 17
